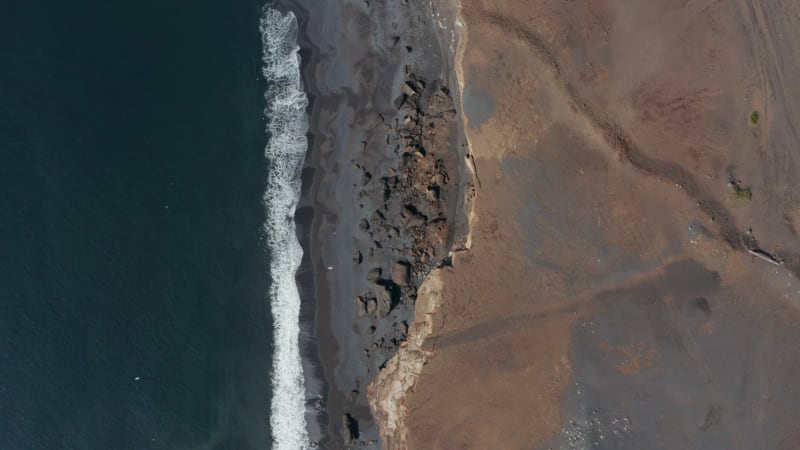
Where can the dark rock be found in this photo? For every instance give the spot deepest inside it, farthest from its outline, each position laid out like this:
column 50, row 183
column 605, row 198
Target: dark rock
column 374, row 274
column 384, row 302
column 401, row 100
column 351, row 432
column 415, row 221
column 372, row 306
column 316, row 403
column 365, row 178
column 361, row 306
column 377, row 218
column 401, row 273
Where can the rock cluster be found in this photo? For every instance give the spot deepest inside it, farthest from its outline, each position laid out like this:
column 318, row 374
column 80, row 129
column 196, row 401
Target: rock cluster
column 407, row 209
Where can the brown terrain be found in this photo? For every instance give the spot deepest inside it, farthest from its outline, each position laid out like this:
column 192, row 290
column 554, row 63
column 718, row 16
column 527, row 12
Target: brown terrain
column 632, row 276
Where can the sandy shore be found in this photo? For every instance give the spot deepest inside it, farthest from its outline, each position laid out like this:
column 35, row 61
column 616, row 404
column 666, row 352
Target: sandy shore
column 383, row 195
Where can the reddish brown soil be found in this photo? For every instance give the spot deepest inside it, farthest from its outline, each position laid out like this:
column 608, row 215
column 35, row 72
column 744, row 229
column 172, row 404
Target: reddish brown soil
column 610, row 298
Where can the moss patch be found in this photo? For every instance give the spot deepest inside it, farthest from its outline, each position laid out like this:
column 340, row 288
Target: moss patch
column 742, row 195
column 754, row 116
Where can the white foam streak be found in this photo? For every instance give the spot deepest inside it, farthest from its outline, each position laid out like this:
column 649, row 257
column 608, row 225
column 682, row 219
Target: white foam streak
column 285, row 151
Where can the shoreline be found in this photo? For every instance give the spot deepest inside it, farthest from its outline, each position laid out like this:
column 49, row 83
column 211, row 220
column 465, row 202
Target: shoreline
column 314, row 341
column 286, row 151
column 342, row 345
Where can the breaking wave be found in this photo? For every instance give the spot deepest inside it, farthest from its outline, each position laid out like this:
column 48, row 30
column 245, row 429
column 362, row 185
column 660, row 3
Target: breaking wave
column 286, row 127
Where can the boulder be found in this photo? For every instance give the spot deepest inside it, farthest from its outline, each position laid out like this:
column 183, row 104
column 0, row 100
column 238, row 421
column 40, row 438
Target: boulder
column 374, row 274
column 372, row 305
column 401, row 273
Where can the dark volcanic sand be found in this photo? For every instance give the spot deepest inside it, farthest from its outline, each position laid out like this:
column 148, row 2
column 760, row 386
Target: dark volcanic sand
column 381, row 191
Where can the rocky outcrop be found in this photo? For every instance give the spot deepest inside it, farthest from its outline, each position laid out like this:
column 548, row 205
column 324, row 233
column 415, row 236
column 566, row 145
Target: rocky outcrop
column 426, row 109
column 388, row 391
column 408, row 198
column 401, row 273
column 414, row 216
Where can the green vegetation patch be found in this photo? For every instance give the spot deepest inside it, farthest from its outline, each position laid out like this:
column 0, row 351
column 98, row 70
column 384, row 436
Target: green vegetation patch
column 754, row 116
column 743, row 195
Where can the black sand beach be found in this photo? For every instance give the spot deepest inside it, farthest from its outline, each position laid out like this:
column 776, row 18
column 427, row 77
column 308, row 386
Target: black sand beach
column 367, row 68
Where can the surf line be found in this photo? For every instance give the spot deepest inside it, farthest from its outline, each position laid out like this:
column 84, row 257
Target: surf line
column 286, row 127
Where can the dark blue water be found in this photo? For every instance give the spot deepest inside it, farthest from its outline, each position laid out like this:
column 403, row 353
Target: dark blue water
column 131, row 184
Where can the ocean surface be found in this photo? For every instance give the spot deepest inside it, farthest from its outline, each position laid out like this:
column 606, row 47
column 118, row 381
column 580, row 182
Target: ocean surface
column 147, row 247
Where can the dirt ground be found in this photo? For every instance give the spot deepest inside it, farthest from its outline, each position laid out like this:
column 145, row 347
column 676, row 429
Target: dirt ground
column 611, row 297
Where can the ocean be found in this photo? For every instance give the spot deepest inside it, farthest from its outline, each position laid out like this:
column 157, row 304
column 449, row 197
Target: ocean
column 150, row 156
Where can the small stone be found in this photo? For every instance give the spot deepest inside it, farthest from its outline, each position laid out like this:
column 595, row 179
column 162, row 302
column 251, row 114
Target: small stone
column 361, row 306
column 372, row 306
column 374, row 274
column 365, row 178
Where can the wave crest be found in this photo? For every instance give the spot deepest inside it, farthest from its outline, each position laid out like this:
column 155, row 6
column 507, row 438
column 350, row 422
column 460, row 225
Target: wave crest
column 286, row 128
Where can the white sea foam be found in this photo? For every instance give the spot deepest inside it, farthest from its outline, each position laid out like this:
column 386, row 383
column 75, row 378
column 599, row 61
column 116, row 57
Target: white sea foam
column 285, row 151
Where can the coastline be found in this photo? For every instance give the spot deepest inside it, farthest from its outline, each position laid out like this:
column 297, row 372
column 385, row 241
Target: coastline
column 344, row 346
column 313, row 340
column 285, row 152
